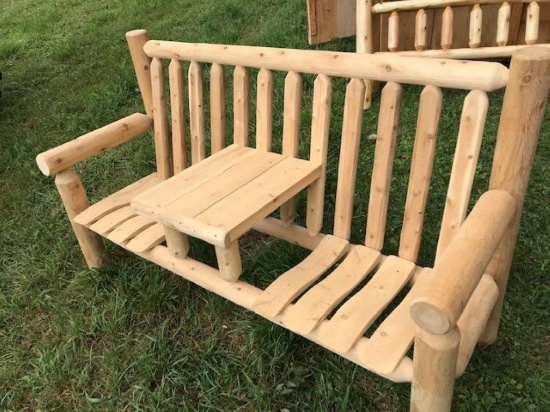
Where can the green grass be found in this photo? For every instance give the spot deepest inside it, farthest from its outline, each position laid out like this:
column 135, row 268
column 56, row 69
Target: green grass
column 135, row 337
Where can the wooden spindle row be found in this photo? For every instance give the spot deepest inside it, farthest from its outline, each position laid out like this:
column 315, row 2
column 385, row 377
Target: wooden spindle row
column 475, row 27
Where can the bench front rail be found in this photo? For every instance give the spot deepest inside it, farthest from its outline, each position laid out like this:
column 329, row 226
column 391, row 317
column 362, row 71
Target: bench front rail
column 218, row 182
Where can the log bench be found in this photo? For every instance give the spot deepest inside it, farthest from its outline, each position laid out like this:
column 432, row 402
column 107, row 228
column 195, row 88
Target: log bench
column 339, row 295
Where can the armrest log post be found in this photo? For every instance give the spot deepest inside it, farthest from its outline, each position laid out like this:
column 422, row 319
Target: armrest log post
column 142, row 63
column 75, row 201
column 463, row 263
column 434, row 366
column 91, row 144
column 521, row 117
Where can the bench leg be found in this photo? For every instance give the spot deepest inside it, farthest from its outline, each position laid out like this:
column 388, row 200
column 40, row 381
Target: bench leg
column 75, row 201
column 178, row 243
column 434, row 370
column 229, row 262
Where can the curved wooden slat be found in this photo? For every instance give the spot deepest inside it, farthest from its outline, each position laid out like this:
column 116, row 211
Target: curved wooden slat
column 292, row 283
column 129, row 229
column 503, row 24
column 147, row 239
column 116, row 200
column 420, row 26
column 240, row 106
column 217, row 107
column 112, row 220
column 316, row 304
column 476, row 23
column 447, row 28
column 351, row 321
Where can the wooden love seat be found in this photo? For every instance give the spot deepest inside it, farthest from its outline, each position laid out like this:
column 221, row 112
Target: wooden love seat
column 349, row 298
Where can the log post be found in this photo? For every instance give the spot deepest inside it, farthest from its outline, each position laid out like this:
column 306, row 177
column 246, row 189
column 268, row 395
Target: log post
column 75, row 201
column 136, row 40
column 521, row 117
column 434, row 368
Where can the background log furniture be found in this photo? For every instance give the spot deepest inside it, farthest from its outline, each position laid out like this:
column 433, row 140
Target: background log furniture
column 445, row 309
column 456, row 29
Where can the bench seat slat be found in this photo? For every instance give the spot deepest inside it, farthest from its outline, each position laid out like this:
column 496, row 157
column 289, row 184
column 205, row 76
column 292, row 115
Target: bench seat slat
column 147, row 239
column 292, row 283
column 129, row 229
column 351, row 321
column 316, row 304
column 392, row 339
column 112, row 220
column 115, row 201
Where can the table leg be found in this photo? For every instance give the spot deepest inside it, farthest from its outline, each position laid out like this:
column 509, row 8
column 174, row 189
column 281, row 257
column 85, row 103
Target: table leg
column 178, row 243
column 229, row 261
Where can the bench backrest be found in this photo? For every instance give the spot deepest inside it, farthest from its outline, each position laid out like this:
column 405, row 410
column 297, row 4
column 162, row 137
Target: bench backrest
column 477, row 78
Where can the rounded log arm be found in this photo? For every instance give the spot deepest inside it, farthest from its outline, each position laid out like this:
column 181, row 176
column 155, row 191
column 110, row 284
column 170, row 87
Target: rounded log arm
column 462, row 264
column 91, row 144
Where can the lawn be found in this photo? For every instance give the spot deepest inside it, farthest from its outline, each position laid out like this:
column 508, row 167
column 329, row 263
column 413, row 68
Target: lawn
column 134, row 337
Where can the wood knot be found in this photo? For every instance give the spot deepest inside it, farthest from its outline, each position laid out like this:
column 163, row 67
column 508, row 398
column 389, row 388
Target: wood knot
column 527, row 78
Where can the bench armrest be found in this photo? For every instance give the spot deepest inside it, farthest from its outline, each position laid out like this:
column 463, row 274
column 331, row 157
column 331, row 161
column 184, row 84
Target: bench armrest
column 91, row 144
column 455, row 276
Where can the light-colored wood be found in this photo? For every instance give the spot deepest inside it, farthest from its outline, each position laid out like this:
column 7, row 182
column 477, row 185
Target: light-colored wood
column 163, row 147
column 349, row 154
column 197, row 200
column 240, row 106
column 112, row 220
column 229, row 262
column 330, row 19
column 312, row 308
column 200, row 174
column 421, row 23
column 503, row 24
column 294, row 282
column 470, row 135
column 264, row 110
column 393, row 32
column 230, row 218
column 476, row 23
column 435, row 358
column 390, row 342
column 421, row 172
column 364, row 38
column 463, row 263
column 129, row 229
column 359, row 312
column 532, row 23
column 447, row 28
column 217, row 108
column 406, row 5
column 474, row 318
column 116, row 200
column 388, row 119
column 177, row 242
column 177, row 104
column 291, row 132
column 75, row 201
column 297, row 235
column 320, row 123
column 136, row 39
column 245, row 294
column 380, row 67
column 467, row 53
column 91, row 144
column 525, row 98
column 147, row 239
column 196, row 113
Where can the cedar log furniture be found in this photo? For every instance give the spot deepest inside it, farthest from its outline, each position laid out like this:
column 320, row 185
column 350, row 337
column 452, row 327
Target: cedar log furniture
column 444, row 310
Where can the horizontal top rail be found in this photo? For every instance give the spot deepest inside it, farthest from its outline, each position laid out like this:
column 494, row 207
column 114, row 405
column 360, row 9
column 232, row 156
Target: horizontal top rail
column 468, row 75
column 407, row 5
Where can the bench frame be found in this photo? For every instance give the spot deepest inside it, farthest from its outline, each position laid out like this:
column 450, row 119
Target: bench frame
column 455, row 304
